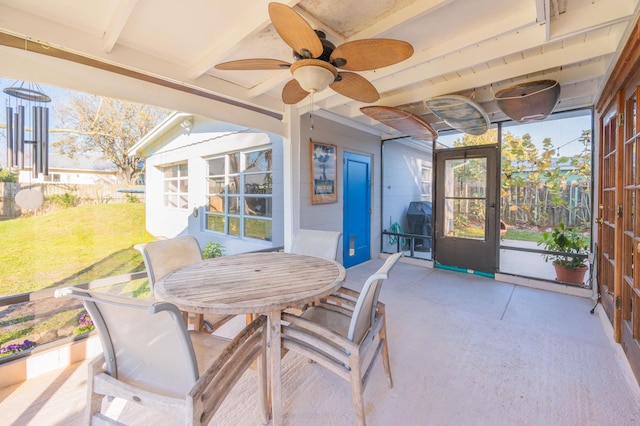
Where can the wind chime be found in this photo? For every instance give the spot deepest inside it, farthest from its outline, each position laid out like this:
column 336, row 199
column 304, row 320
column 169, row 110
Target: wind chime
column 34, row 99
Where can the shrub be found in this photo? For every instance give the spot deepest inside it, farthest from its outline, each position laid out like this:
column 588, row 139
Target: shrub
column 65, row 200
column 212, row 249
column 132, row 198
column 8, row 176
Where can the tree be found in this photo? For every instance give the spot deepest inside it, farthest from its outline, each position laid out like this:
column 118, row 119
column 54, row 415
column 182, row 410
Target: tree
column 534, row 184
column 489, row 137
column 107, row 126
column 6, row 175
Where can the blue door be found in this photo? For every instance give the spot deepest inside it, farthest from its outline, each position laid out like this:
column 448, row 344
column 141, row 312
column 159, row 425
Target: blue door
column 356, row 225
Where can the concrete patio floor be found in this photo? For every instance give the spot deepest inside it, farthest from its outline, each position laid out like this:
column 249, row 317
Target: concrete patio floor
column 465, row 350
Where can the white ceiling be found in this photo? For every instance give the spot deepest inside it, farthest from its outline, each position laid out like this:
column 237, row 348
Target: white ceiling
column 469, row 47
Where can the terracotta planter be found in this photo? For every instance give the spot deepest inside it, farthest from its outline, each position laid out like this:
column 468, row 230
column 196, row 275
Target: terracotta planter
column 567, row 275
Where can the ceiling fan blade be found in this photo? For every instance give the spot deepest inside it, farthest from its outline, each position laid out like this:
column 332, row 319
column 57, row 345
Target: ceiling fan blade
column 254, row 64
column 295, row 31
column 292, row 93
column 406, row 122
column 370, row 54
column 355, row 86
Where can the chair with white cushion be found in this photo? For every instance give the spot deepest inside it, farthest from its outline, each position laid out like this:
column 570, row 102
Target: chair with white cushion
column 151, row 359
column 345, row 332
column 316, row 243
column 163, row 256
column 312, row 242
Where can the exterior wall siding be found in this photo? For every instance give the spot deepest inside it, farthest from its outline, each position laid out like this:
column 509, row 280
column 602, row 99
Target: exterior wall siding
column 328, row 217
column 401, row 183
column 205, row 140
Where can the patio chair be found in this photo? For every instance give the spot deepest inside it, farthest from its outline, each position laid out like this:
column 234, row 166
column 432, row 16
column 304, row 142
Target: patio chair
column 316, row 243
column 151, row 359
column 312, row 242
column 339, row 333
column 163, row 256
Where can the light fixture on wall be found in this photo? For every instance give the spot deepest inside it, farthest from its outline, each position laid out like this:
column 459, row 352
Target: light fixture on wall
column 187, row 125
column 530, row 101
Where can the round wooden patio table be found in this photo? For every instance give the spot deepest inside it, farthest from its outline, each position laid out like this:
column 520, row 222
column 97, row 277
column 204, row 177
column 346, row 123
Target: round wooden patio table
column 253, row 283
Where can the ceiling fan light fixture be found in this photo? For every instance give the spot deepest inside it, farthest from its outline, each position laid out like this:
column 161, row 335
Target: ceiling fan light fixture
column 530, row 101
column 313, row 75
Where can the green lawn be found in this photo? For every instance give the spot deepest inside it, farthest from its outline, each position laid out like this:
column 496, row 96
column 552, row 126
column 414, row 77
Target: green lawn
column 512, row 234
column 72, row 245
column 522, row 235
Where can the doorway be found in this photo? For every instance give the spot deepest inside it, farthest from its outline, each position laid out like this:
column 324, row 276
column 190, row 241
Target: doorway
column 618, row 224
column 466, row 200
column 356, row 227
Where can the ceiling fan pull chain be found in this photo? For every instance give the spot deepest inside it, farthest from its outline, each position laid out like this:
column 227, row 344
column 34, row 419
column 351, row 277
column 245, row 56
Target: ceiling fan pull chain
column 311, row 111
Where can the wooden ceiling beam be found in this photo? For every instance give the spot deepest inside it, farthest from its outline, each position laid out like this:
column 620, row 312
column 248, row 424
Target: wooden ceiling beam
column 554, row 59
column 482, row 43
column 252, row 20
column 118, row 20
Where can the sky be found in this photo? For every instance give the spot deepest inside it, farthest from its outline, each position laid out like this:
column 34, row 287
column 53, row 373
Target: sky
column 564, row 133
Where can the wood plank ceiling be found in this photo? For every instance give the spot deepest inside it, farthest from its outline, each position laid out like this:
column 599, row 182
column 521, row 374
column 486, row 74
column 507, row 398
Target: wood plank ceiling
column 472, row 48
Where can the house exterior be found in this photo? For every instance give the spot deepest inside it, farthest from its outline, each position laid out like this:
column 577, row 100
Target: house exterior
column 71, row 175
column 185, row 196
column 199, row 172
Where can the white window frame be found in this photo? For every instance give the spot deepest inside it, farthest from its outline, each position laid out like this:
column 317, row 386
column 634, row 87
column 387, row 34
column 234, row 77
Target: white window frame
column 181, row 196
column 426, row 169
column 241, row 216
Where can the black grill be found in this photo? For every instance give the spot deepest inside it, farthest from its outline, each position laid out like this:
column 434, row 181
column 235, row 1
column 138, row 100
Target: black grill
column 419, row 216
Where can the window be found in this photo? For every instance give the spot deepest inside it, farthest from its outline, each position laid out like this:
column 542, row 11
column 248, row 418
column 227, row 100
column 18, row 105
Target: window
column 176, row 186
column 51, row 177
column 239, row 194
column 425, row 178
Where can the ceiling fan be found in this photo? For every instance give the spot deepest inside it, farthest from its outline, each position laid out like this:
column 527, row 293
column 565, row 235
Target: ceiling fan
column 317, row 59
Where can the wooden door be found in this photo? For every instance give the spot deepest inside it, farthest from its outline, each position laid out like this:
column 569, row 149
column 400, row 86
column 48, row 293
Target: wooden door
column 607, row 211
column 627, row 297
column 618, row 263
column 619, row 226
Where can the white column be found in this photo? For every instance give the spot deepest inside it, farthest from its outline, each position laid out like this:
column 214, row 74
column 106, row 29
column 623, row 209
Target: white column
column 291, row 173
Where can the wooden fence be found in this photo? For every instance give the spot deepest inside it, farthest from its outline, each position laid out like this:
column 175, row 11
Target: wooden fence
column 84, row 193
column 533, row 205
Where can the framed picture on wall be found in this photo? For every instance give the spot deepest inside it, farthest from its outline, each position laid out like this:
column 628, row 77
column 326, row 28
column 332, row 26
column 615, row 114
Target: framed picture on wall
column 323, row 173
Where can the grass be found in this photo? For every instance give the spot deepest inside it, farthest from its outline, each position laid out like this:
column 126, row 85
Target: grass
column 512, row 234
column 17, row 320
column 61, row 319
column 522, row 235
column 16, row 334
column 71, row 245
column 67, row 246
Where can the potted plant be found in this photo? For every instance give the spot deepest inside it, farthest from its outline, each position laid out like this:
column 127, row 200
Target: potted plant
column 566, row 242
